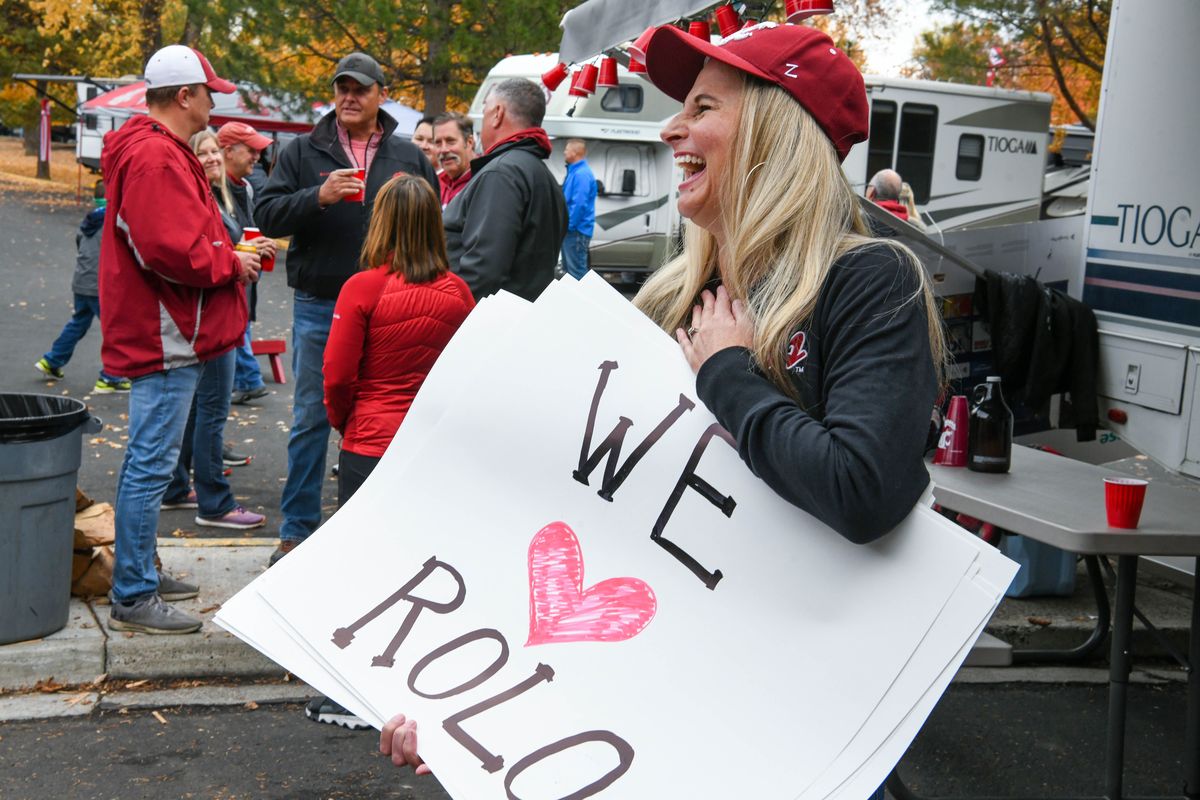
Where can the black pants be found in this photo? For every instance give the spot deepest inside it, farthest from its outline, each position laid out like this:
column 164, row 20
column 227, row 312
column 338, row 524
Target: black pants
column 353, row 469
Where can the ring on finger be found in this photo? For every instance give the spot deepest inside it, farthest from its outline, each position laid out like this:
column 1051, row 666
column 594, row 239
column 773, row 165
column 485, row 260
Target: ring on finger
column 692, row 331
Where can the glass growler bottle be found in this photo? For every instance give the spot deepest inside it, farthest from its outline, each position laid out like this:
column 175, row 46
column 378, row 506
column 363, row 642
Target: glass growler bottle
column 989, row 443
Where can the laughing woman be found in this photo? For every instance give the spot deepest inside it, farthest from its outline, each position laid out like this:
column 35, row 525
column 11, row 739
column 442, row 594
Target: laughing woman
column 815, row 345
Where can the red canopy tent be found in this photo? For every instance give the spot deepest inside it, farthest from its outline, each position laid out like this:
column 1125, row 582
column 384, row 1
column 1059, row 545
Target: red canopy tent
column 248, row 105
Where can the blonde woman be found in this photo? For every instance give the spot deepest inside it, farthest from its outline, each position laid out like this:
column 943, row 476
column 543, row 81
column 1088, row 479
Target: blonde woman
column 815, row 345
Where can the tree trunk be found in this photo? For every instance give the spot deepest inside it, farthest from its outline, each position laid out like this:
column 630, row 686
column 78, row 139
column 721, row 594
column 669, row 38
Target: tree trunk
column 152, row 11
column 434, row 95
column 191, row 29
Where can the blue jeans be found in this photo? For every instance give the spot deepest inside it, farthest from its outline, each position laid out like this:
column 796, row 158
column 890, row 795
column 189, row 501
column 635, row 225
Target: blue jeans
column 575, row 254
column 309, row 439
column 203, row 439
column 247, row 375
column 158, row 412
column 76, row 328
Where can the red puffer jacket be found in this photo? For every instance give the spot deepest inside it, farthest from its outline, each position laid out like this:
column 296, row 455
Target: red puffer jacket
column 385, row 336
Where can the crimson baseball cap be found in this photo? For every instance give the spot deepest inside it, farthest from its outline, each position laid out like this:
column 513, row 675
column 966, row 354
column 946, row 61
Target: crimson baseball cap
column 801, row 60
column 177, row 65
column 232, row 133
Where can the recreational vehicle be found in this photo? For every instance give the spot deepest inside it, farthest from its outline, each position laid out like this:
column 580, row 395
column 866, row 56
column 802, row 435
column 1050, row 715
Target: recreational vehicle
column 974, row 156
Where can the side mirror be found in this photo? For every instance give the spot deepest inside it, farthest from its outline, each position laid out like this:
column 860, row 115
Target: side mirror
column 628, row 181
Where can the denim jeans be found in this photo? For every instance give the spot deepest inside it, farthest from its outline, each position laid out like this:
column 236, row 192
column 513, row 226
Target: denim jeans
column 575, row 254
column 76, row 328
column 247, row 374
column 203, row 439
column 309, row 438
column 158, row 411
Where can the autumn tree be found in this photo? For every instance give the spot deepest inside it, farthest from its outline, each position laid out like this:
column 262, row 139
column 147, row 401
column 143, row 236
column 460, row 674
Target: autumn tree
column 1051, row 45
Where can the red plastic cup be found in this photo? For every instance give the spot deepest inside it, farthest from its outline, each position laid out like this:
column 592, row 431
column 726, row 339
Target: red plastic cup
column 952, row 444
column 728, row 20
column 361, row 195
column 268, row 262
column 1123, row 498
column 700, row 29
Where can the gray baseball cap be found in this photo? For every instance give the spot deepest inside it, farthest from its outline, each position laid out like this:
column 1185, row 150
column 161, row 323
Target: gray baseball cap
column 361, row 67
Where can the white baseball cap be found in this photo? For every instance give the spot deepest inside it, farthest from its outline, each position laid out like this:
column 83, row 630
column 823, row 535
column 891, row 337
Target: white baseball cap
column 177, row 65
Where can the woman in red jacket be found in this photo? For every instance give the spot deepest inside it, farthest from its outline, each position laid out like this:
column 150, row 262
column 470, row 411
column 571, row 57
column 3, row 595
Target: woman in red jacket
column 390, row 324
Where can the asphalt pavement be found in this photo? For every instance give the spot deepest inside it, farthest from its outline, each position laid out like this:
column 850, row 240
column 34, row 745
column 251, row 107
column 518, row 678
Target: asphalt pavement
column 982, row 740
column 37, row 261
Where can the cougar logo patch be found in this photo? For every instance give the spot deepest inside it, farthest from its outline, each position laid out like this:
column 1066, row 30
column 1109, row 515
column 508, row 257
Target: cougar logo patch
column 796, row 352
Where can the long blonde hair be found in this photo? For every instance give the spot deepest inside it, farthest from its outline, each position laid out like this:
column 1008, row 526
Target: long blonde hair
column 406, row 231
column 221, row 189
column 790, row 215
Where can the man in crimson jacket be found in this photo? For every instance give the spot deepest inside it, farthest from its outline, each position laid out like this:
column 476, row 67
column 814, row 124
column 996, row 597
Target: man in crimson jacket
column 308, row 197
column 171, row 300
column 505, row 229
column 884, row 191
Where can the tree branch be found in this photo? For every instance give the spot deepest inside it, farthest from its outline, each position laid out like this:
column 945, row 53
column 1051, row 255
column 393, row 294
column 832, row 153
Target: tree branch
column 1081, row 56
column 1060, row 79
column 1101, row 32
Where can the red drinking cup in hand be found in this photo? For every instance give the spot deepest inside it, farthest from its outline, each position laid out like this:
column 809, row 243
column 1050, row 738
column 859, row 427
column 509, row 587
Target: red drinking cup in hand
column 361, row 195
column 249, row 235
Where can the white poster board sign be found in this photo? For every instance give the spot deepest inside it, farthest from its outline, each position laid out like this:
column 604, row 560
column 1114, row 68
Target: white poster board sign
column 565, row 574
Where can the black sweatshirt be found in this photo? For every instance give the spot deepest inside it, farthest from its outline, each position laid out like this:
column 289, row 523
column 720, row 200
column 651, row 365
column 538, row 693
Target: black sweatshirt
column 851, row 453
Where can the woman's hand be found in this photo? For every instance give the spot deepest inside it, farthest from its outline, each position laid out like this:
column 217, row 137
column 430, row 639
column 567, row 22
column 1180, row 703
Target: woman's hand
column 717, row 323
column 398, row 739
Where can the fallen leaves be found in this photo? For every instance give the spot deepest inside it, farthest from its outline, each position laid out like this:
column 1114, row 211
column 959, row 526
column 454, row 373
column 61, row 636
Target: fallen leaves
column 1039, row 621
column 159, row 717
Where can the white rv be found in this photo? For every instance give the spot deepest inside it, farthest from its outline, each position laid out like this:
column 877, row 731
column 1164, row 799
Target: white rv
column 974, row 156
column 1140, row 270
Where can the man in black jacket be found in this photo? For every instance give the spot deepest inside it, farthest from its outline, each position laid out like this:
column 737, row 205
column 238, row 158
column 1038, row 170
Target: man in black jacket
column 309, row 197
column 505, row 229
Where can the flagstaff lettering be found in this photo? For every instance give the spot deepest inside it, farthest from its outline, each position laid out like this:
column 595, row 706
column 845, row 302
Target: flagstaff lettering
column 492, row 762
column 615, row 473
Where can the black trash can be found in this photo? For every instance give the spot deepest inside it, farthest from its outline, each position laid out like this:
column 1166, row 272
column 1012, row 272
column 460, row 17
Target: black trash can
column 41, row 444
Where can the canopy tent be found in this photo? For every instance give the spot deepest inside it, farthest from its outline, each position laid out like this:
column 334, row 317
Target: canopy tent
column 249, row 104
column 598, row 25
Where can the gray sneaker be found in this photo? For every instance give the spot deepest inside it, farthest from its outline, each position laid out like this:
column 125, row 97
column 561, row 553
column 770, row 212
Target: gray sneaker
column 172, row 589
column 150, row 614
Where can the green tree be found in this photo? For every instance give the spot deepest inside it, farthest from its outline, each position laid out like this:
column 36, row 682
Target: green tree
column 434, row 54
column 1055, row 45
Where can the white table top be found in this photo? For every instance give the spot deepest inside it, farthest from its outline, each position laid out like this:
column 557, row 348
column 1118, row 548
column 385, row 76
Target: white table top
column 1060, row 501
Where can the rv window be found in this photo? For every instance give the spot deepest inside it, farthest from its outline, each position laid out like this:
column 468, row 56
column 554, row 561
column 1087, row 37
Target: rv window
column 914, row 156
column 970, row 157
column 89, row 121
column 883, row 137
column 627, row 99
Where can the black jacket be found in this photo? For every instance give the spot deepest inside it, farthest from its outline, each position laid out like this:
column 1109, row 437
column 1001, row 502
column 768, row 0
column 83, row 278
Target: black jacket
column 505, row 230
column 1043, row 343
column 326, row 242
column 851, row 452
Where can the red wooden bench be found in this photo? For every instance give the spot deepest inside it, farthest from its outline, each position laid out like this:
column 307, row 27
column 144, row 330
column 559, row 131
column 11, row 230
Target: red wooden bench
column 273, row 349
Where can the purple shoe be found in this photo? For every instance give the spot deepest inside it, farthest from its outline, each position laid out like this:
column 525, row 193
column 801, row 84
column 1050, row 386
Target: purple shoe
column 188, row 501
column 238, row 519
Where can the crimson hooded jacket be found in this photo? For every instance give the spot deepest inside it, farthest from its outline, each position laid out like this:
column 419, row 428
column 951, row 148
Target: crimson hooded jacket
column 169, row 295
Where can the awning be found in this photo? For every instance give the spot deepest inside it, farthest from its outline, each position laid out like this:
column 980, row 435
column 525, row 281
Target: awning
column 597, row 25
column 267, row 116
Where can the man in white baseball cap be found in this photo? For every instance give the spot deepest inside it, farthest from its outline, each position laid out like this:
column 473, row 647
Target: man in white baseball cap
column 172, row 282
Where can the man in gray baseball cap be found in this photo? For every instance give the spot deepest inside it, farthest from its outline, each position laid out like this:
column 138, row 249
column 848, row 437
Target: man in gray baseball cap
column 361, row 67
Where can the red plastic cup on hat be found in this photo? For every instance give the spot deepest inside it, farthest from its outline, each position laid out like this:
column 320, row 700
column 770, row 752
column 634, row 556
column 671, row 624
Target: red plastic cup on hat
column 803, row 9
column 1123, row 499
column 728, row 20
column 952, row 444
column 699, row 28
column 637, row 50
column 360, row 195
column 251, row 234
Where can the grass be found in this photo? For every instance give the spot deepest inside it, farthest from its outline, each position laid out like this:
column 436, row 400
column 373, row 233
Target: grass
column 18, row 171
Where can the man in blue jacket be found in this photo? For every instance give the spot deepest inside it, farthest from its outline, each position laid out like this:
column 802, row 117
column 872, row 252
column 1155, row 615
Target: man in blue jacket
column 579, row 188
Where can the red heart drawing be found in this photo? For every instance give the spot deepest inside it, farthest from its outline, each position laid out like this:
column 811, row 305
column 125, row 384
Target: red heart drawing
column 561, row 610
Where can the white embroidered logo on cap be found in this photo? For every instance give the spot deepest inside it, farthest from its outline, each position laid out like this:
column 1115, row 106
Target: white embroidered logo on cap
column 746, row 33
column 791, row 71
